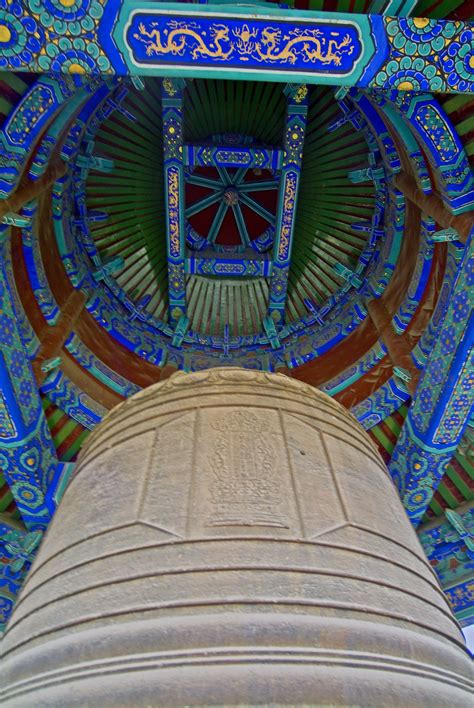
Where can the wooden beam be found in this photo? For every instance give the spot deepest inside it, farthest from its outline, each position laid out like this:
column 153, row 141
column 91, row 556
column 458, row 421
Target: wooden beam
column 53, row 338
column 30, row 190
column 432, row 205
column 398, row 347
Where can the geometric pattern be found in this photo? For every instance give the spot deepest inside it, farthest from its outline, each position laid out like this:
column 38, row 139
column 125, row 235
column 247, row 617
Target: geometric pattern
column 443, row 400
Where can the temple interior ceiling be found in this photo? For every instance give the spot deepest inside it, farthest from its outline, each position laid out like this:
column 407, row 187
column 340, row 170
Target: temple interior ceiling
column 152, row 224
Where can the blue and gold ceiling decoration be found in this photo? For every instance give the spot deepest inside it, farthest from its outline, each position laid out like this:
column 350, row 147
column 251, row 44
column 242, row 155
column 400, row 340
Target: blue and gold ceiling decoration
column 210, row 221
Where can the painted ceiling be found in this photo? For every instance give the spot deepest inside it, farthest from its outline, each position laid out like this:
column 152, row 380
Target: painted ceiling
column 133, row 194
column 100, row 228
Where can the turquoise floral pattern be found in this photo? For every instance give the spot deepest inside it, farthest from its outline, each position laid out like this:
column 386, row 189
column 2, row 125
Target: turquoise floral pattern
column 74, row 36
column 20, row 36
column 458, row 61
column 52, row 36
column 415, row 42
column 67, row 16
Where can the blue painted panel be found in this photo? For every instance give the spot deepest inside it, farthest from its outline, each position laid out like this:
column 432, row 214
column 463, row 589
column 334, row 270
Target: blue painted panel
column 267, row 44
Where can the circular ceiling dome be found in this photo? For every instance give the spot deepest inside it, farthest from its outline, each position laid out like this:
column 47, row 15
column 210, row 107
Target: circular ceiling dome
column 235, row 206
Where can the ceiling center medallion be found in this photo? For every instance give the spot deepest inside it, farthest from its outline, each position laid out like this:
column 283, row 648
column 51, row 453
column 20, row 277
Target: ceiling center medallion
column 231, row 196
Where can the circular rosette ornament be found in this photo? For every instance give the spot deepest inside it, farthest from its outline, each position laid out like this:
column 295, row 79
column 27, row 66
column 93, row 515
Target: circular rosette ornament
column 72, row 17
column 419, row 469
column 27, row 495
column 418, row 29
column 411, row 75
column 418, row 498
column 458, row 62
column 21, row 37
column 419, row 36
column 74, row 56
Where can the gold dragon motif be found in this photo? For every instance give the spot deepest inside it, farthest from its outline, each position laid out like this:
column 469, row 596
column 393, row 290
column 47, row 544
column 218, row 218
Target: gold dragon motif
column 288, row 207
column 176, row 40
column 173, row 210
column 312, row 49
column 269, row 45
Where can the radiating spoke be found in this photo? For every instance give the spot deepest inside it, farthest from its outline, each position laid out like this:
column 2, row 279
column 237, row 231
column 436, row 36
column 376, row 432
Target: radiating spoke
column 204, row 182
column 257, row 208
column 224, row 175
column 203, row 204
column 259, row 186
column 239, row 175
column 239, row 218
column 217, row 223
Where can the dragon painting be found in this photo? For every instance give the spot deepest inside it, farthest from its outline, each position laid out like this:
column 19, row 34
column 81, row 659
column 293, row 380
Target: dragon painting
column 175, row 41
column 219, row 42
column 312, row 49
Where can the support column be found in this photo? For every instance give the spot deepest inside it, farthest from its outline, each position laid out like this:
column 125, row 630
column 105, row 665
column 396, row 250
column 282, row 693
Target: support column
column 293, row 141
column 232, row 537
column 172, row 97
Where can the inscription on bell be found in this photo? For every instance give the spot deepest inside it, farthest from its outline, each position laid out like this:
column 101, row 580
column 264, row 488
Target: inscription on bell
column 248, row 482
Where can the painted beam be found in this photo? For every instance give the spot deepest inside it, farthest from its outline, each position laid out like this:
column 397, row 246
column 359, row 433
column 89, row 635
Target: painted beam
column 18, row 546
column 263, row 43
column 11, row 579
column 172, row 97
column 217, row 222
column 228, row 156
column 433, row 206
column 27, row 454
column 293, row 141
column 443, row 400
column 432, row 128
column 397, row 346
column 31, row 117
column 53, row 338
column 237, row 266
column 29, row 191
column 449, row 545
column 204, row 203
column 241, row 225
